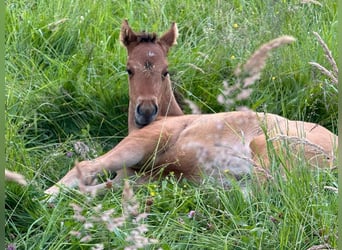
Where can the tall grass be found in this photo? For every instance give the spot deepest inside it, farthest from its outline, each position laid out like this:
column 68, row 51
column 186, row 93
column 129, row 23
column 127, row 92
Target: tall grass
column 66, row 82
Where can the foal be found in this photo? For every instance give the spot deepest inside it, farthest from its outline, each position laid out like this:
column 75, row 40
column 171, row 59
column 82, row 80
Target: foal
column 162, row 140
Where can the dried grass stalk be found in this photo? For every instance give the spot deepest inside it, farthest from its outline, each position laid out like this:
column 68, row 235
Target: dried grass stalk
column 94, row 190
column 12, row 176
column 327, row 53
column 311, row 1
column 333, row 75
column 324, row 71
column 248, row 74
column 194, row 108
column 330, row 188
column 294, row 140
column 136, row 239
column 321, row 247
column 53, row 26
column 251, row 71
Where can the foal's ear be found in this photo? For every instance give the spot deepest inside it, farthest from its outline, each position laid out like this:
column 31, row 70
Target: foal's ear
column 170, row 37
column 127, row 35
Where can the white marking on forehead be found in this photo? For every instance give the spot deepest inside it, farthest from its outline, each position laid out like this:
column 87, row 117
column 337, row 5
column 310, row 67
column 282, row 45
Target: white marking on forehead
column 150, row 53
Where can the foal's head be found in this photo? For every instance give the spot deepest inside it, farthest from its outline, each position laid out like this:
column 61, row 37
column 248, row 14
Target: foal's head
column 150, row 88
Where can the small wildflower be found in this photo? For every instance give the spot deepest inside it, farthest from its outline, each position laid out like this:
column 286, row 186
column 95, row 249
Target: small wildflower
column 274, row 220
column 76, row 208
column 273, row 78
column 69, row 154
column 210, row 226
column 98, row 247
column 235, row 26
column 109, row 184
column 152, row 193
column 79, row 217
column 81, row 148
column 75, row 233
column 232, row 57
column 86, row 238
column 191, row 214
column 88, row 225
column 244, row 94
column 77, row 212
column 193, row 107
column 11, row 247
column 149, row 202
column 114, row 223
column 127, row 193
column 106, row 215
column 141, row 217
column 181, row 221
column 98, row 208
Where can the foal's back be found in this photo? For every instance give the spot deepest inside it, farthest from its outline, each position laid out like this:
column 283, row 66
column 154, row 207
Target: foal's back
column 235, row 142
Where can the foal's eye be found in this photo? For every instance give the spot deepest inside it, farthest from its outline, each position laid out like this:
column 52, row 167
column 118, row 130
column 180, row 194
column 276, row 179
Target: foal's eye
column 164, row 74
column 129, row 71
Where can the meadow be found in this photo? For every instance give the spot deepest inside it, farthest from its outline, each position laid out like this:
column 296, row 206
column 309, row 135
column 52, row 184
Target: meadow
column 66, row 85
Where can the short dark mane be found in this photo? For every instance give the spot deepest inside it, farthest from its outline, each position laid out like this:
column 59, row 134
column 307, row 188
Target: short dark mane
column 145, row 37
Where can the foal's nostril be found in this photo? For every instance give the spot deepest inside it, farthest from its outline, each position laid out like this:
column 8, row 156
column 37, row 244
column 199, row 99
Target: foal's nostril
column 138, row 110
column 155, row 111
column 147, row 110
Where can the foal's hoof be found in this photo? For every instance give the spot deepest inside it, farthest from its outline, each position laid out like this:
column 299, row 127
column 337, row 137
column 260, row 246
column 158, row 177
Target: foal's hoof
column 51, row 194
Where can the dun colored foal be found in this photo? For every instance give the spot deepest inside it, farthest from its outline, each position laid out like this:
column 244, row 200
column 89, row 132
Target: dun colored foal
column 162, row 139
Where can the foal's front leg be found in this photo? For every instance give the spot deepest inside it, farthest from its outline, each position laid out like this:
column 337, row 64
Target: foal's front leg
column 136, row 148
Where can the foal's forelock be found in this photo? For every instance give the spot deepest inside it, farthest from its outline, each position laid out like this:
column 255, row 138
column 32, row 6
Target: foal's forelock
column 145, row 37
column 148, row 65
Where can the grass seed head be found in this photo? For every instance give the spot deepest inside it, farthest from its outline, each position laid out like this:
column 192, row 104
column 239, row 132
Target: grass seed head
column 251, row 70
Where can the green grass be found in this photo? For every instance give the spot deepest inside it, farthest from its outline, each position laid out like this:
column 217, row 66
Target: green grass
column 69, row 84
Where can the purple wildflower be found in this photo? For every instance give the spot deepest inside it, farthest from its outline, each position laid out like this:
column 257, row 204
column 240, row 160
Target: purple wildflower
column 69, row 154
column 11, row 246
column 191, row 214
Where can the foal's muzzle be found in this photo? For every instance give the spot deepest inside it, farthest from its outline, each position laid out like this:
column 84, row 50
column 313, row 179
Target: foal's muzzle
column 145, row 113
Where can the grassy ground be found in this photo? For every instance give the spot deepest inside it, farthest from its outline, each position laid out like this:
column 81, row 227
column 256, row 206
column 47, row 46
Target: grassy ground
column 66, row 82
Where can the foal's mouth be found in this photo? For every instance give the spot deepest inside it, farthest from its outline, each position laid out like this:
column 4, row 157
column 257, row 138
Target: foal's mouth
column 142, row 121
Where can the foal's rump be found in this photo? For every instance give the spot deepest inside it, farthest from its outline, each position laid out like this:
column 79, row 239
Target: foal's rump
column 294, row 139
